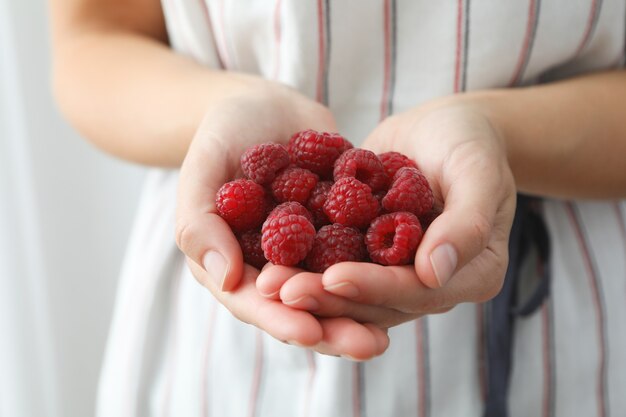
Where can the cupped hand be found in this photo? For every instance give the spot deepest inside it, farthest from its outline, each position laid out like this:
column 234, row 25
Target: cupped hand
column 464, row 253
column 269, row 113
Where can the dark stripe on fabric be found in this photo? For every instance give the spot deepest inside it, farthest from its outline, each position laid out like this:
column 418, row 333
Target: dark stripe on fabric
column 208, row 348
column 622, row 226
column 323, row 26
column 534, row 6
column 257, row 377
column 482, row 350
column 598, row 298
column 309, row 390
column 549, row 380
column 462, row 42
column 592, row 22
column 207, row 17
column 466, row 42
column 277, row 38
column 389, row 29
column 423, row 368
column 328, row 46
column 357, row 390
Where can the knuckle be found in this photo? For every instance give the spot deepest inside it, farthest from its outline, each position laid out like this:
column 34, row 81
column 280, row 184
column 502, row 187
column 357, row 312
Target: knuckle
column 480, row 230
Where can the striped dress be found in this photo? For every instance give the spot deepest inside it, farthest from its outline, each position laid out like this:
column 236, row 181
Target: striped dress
column 174, row 351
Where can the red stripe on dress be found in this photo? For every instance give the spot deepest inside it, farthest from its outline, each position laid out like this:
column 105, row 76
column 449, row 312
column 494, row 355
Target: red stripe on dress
column 356, row 390
column 384, row 104
column 422, row 395
column 593, row 282
column 530, row 25
column 277, row 39
column 309, row 391
column 322, row 51
column 459, row 46
column 256, row 379
column 482, row 359
column 207, row 17
column 208, row 344
column 588, row 29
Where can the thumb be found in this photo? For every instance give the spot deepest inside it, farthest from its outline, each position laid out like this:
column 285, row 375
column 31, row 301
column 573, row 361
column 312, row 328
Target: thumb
column 201, row 234
column 462, row 231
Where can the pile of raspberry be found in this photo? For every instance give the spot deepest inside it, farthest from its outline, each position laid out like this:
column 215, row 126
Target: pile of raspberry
column 319, row 201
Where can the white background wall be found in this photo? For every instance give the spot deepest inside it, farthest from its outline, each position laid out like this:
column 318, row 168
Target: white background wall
column 65, row 213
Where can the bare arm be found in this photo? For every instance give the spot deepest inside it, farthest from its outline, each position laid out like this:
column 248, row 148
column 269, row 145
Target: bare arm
column 565, row 139
column 119, row 83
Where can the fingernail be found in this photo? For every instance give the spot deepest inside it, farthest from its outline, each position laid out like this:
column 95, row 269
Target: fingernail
column 345, row 289
column 305, row 302
column 443, row 259
column 216, row 266
column 294, row 343
column 351, row 358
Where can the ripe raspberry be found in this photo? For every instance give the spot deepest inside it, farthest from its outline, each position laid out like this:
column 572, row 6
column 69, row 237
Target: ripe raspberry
column 409, row 192
column 393, row 161
column 287, row 238
column 392, row 238
column 316, row 203
column 351, row 203
column 363, row 165
column 291, row 207
column 335, row 243
column 317, row 151
column 294, row 184
column 242, row 204
column 250, row 243
column 261, row 162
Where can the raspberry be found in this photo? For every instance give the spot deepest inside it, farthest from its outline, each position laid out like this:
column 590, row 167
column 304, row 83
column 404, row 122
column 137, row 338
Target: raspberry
column 287, row 238
column 428, row 218
column 250, row 243
column 316, row 203
column 260, row 163
column 351, row 203
column 393, row 161
column 392, row 238
column 409, row 192
column 242, row 204
column 291, row 207
column 294, row 184
column 335, row 243
column 363, row 165
column 317, row 151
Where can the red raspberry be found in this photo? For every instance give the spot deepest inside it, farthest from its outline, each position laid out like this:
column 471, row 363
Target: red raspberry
column 335, row 243
column 294, row 184
column 409, row 192
column 287, row 238
column 242, row 204
column 363, row 165
column 392, row 238
column 317, row 151
column 316, row 203
column 393, row 161
column 261, row 162
column 291, row 207
column 351, row 203
column 250, row 243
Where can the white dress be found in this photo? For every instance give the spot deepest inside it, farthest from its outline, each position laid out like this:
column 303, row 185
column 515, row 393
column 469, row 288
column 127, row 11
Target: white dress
column 173, row 351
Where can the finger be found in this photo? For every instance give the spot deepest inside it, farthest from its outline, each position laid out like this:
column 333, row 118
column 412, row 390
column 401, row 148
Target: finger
column 247, row 305
column 473, row 195
column 305, row 291
column 349, row 339
column 395, row 287
column 272, row 278
column 200, row 233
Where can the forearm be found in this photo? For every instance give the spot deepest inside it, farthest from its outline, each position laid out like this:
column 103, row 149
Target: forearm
column 565, row 139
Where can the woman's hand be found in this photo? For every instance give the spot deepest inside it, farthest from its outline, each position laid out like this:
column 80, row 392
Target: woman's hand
column 463, row 255
column 269, row 113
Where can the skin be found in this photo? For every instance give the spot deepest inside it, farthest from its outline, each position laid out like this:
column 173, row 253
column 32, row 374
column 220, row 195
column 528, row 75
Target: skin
column 563, row 139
